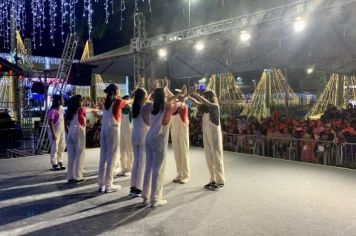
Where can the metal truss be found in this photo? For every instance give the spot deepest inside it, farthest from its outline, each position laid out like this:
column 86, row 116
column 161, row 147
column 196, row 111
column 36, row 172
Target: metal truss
column 295, row 9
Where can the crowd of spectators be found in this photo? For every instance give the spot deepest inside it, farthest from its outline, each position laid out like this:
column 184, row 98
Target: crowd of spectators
column 277, row 136
column 288, row 137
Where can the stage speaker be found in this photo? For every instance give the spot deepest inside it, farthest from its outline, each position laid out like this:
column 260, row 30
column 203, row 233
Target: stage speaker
column 38, row 87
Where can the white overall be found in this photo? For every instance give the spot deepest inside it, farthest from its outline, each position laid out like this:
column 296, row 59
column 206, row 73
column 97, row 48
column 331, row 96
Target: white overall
column 57, row 146
column 156, row 148
column 109, row 148
column 76, row 149
column 126, row 155
column 213, row 147
column 139, row 132
column 180, row 143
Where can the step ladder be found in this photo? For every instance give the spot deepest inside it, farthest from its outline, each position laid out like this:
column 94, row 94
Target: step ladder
column 59, row 86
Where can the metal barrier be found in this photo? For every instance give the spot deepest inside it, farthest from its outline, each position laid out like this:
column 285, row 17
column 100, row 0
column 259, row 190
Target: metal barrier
column 307, row 150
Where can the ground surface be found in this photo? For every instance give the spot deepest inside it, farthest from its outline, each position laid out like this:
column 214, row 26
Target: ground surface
column 262, row 197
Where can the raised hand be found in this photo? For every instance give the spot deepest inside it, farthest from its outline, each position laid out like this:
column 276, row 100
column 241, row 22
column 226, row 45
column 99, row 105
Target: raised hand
column 184, row 90
column 165, row 82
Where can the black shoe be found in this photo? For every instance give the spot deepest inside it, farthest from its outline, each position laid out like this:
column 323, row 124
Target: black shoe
column 216, row 187
column 209, row 185
column 78, row 181
column 55, row 168
column 61, row 167
column 70, row 181
column 138, row 191
column 132, row 192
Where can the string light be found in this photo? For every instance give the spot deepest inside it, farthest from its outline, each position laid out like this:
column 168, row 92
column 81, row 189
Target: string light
column 45, row 13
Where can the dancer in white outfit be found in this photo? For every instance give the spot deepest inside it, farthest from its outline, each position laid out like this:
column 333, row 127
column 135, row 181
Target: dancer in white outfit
column 156, row 147
column 180, row 143
column 110, row 138
column 56, row 132
column 75, row 139
column 126, row 153
column 139, row 131
column 212, row 138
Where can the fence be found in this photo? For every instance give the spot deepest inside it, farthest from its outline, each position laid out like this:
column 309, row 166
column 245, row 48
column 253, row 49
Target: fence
column 308, row 150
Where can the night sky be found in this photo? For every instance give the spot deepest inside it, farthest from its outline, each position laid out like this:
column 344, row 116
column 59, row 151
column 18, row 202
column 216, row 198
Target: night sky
column 166, row 16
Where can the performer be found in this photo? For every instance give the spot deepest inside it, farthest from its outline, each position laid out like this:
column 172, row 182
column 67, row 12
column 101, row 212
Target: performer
column 212, row 138
column 56, row 132
column 110, row 138
column 126, row 154
column 75, row 139
column 156, row 146
column 180, row 143
column 140, row 110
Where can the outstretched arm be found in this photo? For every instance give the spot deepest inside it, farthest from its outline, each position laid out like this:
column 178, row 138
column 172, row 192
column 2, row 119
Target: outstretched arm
column 203, row 100
column 183, row 92
column 196, row 102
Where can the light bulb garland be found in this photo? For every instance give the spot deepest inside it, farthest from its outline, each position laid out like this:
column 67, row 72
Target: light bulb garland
column 44, row 14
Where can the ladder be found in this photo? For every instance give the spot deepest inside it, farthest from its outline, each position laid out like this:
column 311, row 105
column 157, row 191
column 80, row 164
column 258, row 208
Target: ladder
column 62, row 76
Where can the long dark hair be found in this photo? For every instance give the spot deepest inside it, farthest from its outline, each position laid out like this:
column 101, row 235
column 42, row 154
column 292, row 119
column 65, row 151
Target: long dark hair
column 211, row 96
column 56, row 101
column 140, row 95
column 74, row 104
column 158, row 101
column 111, row 92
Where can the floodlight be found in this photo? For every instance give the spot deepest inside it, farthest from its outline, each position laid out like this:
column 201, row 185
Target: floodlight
column 310, row 70
column 245, row 36
column 202, row 81
column 299, row 24
column 199, row 46
column 162, row 52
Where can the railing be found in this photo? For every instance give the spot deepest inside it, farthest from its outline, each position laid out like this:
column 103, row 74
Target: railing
column 307, row 150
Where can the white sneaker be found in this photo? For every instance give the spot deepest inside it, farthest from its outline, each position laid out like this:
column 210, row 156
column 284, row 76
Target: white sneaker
column 176, row 179
column 113, row 188
column 184, row 181
column 101, row 189
column 158, row 203
column 122, row 173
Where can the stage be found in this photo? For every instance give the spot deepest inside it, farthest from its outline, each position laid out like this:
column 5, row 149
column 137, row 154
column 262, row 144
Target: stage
column 262, row 196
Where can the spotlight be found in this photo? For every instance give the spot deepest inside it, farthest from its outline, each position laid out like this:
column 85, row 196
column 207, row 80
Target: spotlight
column 245, row 36
column 162, row 52
column 202, row 81
column 199, row 46
column 299, row 24
column 310, row 70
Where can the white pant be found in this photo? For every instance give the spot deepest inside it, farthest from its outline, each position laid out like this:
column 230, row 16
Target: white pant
column 180, row 143
column 109, row 150
column 138, row 166
column 126, row 155
column 57, row 147
column 155, row 165
column 212, row 139
column 76, row 152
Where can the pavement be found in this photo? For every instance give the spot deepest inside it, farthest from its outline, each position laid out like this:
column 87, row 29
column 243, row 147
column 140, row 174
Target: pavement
column 263, row 196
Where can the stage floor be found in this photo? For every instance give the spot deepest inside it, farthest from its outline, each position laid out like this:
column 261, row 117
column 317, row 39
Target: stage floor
column 262, row 196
